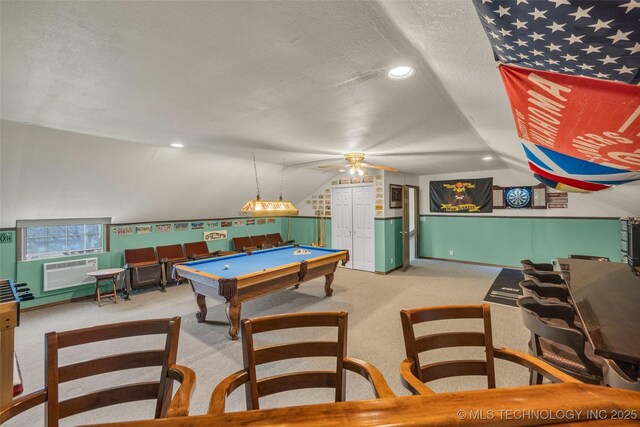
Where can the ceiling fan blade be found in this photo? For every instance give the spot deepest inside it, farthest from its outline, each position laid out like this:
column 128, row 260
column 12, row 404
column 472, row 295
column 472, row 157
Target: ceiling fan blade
column 333, row 166
column 386, row 168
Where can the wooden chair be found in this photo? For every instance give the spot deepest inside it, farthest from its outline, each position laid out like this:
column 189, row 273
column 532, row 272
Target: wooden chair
column 161, row 390
column 261, row 242
column 276, row 240
column 142, row 269
column 591, row 257
column 562, row 346
column 198, row 250
column 543, row 276
column 169, row 256
column 526, row 263
column 242, row 244
column 415, row 374
column 253, row 357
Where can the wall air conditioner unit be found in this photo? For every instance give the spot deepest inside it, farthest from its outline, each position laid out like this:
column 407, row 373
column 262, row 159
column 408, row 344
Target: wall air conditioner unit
column 65, row 274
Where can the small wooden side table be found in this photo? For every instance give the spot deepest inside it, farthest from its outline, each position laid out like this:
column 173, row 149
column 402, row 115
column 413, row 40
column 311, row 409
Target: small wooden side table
column 106, row 274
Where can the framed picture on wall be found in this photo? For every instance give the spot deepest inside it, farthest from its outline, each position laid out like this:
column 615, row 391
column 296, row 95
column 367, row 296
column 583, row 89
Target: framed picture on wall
column 395, row 196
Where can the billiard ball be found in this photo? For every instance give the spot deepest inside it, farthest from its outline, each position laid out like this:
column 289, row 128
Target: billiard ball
column 226, row 266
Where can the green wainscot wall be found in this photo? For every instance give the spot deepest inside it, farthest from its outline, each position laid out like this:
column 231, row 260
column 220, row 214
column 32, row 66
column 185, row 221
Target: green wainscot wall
column 304, row 230
column 507, row 240
column 8, row 254
column 31, row 272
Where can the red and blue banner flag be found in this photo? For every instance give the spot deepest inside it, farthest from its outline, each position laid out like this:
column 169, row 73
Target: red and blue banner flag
column 571, row 70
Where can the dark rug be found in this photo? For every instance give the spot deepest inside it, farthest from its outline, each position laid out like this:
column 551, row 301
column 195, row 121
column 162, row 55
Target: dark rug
column 505, row 290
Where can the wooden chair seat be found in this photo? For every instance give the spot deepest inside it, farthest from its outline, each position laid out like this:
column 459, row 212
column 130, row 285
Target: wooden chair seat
column 253, row 357
column 414, row 374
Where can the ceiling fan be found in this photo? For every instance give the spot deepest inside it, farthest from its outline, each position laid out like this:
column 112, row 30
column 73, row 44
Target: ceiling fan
column 355, row 165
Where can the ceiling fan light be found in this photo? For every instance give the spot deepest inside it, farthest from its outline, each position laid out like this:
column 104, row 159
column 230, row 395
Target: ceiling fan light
column 360, row 172
column 352, row 171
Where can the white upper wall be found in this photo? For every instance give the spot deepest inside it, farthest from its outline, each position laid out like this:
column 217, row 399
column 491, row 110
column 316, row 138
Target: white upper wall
column 622, row 201
column 47, row 173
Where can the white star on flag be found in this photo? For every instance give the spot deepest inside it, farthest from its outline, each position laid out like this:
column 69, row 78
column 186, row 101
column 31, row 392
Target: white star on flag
column 582, row 13
column 503, row 11
column 620, row 36
column 608, row 60
column 538, row 14
column 624, row 69
column 574, row 39
column 631, row 5
column 601, row 24
column 556, row 27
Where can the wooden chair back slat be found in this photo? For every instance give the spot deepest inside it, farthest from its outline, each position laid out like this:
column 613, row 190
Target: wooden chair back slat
column 113, row 331
column 108, row 397
column 141, row 359
column 295, row 350
column 164, row 357
column 453, row 368
column 448, row 312
column 296, row 381
column 170, row 252
column 449, row 339
column 132, row 256
column 300, row 320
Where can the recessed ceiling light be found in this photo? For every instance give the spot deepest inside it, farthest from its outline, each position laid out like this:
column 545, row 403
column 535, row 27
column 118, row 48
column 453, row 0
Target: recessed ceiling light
column 177, row 145
column 487, row 158
column 399, row 73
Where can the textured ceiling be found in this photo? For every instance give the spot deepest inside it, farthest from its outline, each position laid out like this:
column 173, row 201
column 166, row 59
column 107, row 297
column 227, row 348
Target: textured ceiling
column 303, row 81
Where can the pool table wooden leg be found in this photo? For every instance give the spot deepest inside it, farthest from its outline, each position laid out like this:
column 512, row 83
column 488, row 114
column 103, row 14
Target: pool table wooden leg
column 202, row 308
column 233, row 313
column 327, row 284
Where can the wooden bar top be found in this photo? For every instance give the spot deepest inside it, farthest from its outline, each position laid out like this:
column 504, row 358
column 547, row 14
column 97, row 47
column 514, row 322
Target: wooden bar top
column 568, row 403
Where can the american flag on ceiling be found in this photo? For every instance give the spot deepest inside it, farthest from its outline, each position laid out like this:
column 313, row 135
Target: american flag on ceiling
column 571, row 70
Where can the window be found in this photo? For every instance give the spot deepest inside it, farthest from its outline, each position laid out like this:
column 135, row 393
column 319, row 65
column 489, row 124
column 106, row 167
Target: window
column 53, row 239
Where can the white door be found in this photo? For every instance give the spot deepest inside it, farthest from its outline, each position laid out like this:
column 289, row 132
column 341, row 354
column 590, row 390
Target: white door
column 363, row 229
column 341, row 221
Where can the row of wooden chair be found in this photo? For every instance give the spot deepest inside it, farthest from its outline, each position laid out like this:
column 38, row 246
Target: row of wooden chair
column 414, row 374
column 149, row 266
column 262, row 241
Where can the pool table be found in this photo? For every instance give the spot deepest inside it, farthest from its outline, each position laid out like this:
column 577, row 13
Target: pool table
column 245, row 276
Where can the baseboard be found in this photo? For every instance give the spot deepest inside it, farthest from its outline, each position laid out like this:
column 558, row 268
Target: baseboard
column 384, row 273
column 471, row 262
column 53, row 304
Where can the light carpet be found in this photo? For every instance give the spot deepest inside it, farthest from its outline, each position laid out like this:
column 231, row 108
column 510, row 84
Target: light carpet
column 374, row 334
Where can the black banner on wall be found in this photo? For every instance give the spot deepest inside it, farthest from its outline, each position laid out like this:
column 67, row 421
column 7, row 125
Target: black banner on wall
column 461, row 195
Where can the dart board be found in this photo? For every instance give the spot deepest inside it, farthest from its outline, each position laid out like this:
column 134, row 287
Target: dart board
column 518, row 197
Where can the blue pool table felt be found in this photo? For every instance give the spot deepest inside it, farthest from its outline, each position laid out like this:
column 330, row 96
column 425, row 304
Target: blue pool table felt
column 242, row 264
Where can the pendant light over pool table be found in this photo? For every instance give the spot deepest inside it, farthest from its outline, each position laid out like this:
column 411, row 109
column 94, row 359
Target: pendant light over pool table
column 264, row 208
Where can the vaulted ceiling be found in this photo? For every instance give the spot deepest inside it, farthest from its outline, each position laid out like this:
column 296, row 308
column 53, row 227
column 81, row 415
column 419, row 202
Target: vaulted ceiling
column 304, row 81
